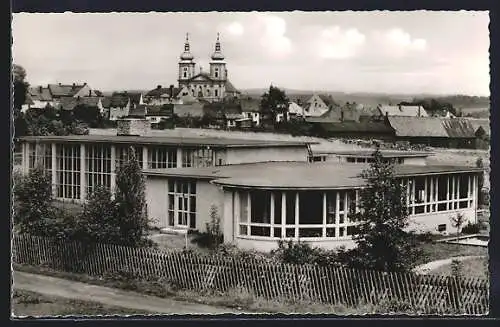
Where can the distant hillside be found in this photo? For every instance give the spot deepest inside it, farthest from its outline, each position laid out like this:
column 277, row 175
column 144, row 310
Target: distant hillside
column 458, row 101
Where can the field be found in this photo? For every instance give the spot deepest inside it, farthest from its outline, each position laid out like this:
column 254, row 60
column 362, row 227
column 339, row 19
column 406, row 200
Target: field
column 473, row 267
column 25, row 303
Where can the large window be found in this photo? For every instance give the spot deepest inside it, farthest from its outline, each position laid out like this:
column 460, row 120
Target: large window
column 182, row 203
column 162, row 157
column 202, row 157
column 124, row 153
column 264, row 213
column 428, row 194
column 97, row 166
column 68, row 171
column 40, row 154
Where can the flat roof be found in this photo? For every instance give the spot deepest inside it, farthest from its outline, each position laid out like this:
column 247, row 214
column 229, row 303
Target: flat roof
column 369, row 153
column 164, row 140
column 297, row 175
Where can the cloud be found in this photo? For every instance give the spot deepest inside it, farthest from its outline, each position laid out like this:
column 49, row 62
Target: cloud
column 273, row 38
column 235, row 28
column 396, row 42
column 335, row 43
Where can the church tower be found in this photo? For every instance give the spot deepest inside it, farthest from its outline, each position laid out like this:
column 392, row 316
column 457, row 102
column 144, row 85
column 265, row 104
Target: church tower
column 218, row 71
column 186, row 64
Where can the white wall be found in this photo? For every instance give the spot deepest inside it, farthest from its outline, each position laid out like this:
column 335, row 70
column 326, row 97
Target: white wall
column 157, row 200
column 207, row 195
column 249, row 155
column 429, row 222
column 418, row 161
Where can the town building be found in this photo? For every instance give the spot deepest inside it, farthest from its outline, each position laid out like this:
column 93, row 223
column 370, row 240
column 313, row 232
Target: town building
column 261, row 203
column 213, row 85
column 79, row 162
column 263, row 190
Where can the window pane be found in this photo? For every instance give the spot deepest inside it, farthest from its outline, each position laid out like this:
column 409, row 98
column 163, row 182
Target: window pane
column 261, row 206
column 277, row 207
column 330, row 232
column 243, row 230
column 442, row 188
column 464, row 186
column 277, row 232
column 310, row 207
column 290, row 232
column 260, row 231
column 310, row 232
column 290, row 208
column 419, row 189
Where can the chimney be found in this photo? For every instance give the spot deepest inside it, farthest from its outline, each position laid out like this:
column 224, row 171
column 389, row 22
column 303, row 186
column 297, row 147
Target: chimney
column 171, row 91
column 90, row 92
column 341, row 115
column 59, row 83
column 40, row 89
column 158, row 87
column 419, row 111
column 74, row 84
column 133, row 127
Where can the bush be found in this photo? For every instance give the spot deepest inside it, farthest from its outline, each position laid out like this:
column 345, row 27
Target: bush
column 471, row 228
column 302, row 253
column 213, row 237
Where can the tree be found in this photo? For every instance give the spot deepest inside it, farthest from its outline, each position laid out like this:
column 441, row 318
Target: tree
column 457, row 222
column 131, row 202
column 274, row 102
column 20, row 94
column 481, row 198
column 99, row 221
column 381, row 237
column 90, row 115
column 33, row 202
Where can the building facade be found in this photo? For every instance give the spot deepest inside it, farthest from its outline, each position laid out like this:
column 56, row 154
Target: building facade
column 77, row 163
column 212, row 85
column 260, row 204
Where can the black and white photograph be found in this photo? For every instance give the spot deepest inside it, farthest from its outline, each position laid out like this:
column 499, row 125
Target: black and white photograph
column 242, row 163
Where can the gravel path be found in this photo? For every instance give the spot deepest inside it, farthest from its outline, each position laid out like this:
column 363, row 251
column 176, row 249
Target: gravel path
column 52, row 286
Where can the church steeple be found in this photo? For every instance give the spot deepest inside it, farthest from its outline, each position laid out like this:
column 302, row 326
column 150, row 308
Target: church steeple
column 186, row 55
column 217, row 55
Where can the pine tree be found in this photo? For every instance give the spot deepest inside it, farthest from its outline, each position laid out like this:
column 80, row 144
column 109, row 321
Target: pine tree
column 131, row 201
column 382, row 240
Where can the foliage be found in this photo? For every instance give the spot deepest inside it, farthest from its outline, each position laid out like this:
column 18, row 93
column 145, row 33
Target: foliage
column 131, row 202
column 381, row 238
column 33, row 208
column 458, row 221
column 274, row 102
column 302, row 253
column 90, row 115
column 213, row 237
column 482, row 198
column 471, row 228
column 20, row 91
column 457, row 268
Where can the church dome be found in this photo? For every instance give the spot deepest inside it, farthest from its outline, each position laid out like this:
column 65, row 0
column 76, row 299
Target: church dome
column 187, row 55
column 217, row 55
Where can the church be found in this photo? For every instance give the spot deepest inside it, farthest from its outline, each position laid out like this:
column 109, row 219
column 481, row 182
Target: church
column 211, row 86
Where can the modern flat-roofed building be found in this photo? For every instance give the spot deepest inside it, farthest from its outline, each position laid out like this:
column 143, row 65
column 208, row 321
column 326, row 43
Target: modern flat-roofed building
column 261, row 203
column 366, row 156
column 80, row 162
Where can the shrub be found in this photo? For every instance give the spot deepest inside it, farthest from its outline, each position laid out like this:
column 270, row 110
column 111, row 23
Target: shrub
column 471, row 228
column 213, row 237
column 302, row 253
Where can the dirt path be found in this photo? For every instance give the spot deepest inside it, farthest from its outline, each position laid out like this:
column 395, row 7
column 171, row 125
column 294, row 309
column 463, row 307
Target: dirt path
column 75, row 290
column 429, row 266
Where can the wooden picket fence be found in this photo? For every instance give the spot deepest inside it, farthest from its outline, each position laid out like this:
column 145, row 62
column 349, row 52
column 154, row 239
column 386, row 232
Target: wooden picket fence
column 426, row 294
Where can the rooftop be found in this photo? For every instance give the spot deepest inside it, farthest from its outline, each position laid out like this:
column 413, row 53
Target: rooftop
column 163, row 140
column 296, row 175
column 384, row 153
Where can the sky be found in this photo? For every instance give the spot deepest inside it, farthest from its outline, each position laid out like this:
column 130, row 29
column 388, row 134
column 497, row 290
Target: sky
column 384, row 52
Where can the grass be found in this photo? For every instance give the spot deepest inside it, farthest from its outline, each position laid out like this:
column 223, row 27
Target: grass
column 438, row 251
column 26, row 303
column 236, row 298
column 474, row 267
